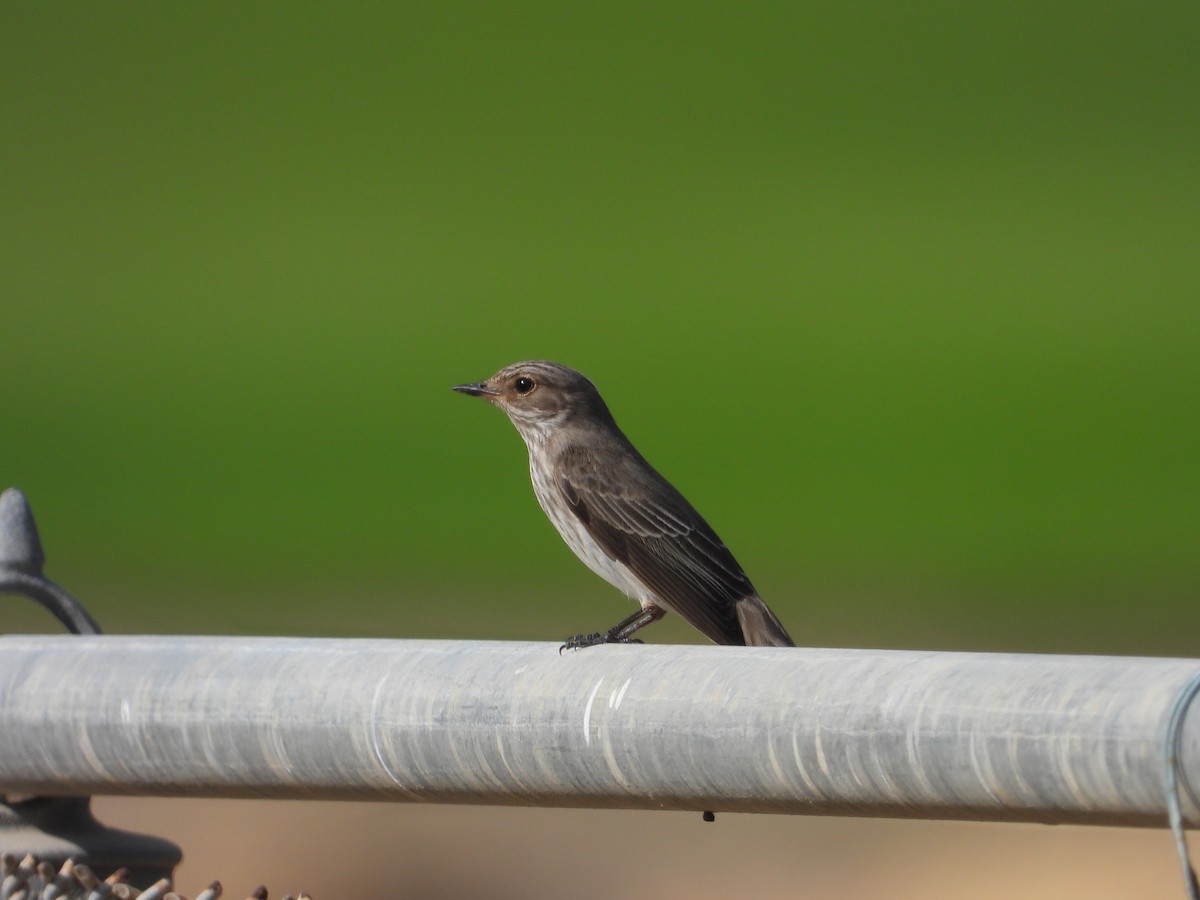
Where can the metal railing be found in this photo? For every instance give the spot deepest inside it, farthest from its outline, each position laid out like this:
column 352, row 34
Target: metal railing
column 851, row 732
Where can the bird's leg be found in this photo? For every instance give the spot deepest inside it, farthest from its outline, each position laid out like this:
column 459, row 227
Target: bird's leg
column 621, row 633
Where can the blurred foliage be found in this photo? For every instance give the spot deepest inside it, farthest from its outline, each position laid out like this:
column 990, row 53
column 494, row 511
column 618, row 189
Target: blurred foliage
column 904, row 298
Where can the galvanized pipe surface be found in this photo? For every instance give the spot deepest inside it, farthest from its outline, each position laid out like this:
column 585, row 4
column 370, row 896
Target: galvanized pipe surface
column 844, row 732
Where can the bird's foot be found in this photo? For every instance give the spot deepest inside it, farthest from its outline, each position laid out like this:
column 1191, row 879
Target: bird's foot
column 579, row 641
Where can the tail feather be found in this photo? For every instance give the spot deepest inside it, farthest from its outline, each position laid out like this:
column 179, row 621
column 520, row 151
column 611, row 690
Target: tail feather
column 760, row 626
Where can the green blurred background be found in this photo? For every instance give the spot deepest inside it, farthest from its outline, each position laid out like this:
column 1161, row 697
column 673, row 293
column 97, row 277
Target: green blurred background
column 905, row 298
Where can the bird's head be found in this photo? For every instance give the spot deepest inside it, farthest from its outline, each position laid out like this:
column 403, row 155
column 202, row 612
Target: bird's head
column 539, row 396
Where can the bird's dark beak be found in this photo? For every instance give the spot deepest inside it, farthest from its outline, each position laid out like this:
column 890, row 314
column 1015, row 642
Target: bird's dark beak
column 477, row 389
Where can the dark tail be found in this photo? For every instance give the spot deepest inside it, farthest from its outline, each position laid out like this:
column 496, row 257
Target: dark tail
column 760, row 627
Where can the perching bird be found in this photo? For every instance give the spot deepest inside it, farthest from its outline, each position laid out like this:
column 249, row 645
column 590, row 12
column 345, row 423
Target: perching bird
column 624, row 520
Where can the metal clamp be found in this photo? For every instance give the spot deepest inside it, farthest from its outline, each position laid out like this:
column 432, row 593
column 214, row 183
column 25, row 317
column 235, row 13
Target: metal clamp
column 55, row 829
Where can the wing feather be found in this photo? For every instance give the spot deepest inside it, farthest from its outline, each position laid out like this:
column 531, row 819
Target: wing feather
column 641, row 520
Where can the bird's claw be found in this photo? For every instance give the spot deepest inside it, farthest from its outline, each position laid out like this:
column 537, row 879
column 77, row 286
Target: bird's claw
column 579, row 641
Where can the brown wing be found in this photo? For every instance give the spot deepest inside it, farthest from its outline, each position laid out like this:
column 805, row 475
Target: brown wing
column 641, row 520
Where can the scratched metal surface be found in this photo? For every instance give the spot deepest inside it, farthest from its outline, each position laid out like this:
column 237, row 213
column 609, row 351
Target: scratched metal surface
column 888, row 733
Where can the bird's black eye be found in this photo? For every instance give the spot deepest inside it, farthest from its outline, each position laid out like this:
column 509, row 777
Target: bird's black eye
column 524, row 385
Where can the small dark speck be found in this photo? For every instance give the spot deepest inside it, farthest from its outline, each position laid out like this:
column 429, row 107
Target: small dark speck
column 710, row 816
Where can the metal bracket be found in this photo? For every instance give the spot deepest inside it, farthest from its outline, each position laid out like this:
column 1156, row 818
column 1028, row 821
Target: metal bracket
column 55, row 829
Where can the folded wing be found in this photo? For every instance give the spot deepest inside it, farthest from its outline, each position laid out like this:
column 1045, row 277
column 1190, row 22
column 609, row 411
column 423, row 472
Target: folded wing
column 643, row 522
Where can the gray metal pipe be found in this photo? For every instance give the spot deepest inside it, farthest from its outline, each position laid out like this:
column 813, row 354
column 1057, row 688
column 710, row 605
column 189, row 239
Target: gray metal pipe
column 844, row 732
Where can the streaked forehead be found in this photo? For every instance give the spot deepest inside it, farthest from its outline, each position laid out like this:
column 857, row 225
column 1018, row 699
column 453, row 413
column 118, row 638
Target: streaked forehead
column 539, row 369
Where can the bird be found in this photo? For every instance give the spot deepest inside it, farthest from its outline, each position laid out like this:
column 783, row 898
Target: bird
column 624, row 520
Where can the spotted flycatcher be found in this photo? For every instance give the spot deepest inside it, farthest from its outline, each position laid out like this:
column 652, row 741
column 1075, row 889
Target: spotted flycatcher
column 624, row 520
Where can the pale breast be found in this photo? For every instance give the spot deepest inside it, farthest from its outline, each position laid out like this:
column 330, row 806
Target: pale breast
column 580, row 540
